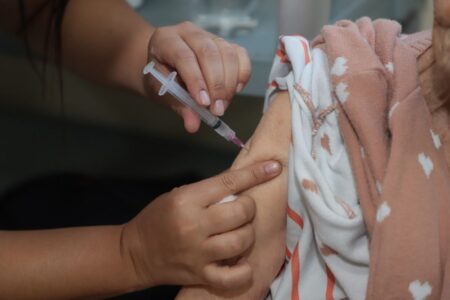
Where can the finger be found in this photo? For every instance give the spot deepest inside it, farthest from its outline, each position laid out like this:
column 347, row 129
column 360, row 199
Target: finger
column 211, row 190
column 154, row 84
column 191, row 120
column 179, row 56
column 231, row 68
column 231, row 215
column 230, row 244
column 209, row 58
column 245, row 67
column 228, row 277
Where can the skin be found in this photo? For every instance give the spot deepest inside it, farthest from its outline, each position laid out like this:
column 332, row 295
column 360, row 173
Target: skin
column 182, row 237
column 434, row 72
column 101, row 261
column 107, row 42
column 179, row 238
column 271, row 139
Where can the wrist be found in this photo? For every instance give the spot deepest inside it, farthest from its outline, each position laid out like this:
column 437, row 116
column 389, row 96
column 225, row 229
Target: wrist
column 116, row 268
column 133, row 265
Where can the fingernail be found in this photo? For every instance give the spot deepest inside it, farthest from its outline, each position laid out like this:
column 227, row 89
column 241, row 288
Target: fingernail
column 204, row 98
column 272, row 168
column 239, row 87
column 219, row 108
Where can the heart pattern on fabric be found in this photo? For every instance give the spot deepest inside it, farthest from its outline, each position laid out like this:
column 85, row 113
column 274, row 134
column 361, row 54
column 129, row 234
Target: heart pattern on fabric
column 383, row 211
column 419, row 290
column 340, row 66
column 390, row 67
column 436, row 139
column 427, row 164
column 341, row 92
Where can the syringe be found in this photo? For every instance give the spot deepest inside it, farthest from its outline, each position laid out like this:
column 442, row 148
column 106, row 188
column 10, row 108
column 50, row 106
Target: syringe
column 168, row 84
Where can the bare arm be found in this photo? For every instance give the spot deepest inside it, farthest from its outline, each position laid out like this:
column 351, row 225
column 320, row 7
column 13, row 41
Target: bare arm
column 270, row 141
column 103, row 40
column 64, row 263
column 177, row 239
column 109, row 43
column 106, row 41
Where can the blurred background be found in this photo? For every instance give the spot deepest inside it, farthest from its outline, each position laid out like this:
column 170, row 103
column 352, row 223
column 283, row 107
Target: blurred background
column 105, row 131
column 60, row 159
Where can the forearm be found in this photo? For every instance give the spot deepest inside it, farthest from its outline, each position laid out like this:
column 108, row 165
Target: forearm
column 72, row 263
column 103, row 40
column 106, row 41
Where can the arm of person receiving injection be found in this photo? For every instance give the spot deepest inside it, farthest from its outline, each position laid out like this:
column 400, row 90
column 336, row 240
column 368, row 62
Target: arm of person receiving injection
column 108, row 42
column 270, row 141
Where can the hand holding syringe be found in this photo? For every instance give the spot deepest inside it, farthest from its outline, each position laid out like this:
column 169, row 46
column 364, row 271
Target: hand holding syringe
column 168, row 84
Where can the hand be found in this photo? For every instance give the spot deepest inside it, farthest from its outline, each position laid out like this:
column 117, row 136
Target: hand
column 212, row 69
column 270, row 140
column 182, row 237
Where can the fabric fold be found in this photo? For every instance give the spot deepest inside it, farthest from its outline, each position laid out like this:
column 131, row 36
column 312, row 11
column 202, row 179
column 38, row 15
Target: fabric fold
column 365, row 164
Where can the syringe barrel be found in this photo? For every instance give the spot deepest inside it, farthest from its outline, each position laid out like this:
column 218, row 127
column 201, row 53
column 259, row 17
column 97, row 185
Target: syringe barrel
column 168, row 84
column 224, row 130
column 186, row 99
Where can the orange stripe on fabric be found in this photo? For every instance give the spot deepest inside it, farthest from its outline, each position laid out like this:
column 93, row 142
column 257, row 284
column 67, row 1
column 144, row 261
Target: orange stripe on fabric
column 295, row 270
column 330, row 284
column 282, row 55
column 288, row 253
column 272, row 84
column 295, row 217
column 305, row 48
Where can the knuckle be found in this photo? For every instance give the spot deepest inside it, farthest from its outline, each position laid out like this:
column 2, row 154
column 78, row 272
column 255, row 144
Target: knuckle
column 224, row 282
column 218, row 87
column 158, row 33
column 245, row 73
column 241, row 49
column 255, row 174
column 229, row 182
column 236, row 244
column 250, row 206
column 177, row 197
column 229, row 51
column 198, row 81
column 240, row 211
column 186, row 25
column 245, row 67
column 208, row 49
column 183, row 55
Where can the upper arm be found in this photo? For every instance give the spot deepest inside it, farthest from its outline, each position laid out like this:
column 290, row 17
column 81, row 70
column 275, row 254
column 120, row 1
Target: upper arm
column 272, row 136
column 270, row 140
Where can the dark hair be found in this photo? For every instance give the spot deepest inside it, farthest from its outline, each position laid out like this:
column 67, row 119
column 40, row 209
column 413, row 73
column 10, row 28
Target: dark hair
column 53, row 34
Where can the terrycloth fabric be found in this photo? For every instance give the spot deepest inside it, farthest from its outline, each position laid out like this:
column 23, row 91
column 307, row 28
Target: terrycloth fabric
column 397, row 159
column 327, row 242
